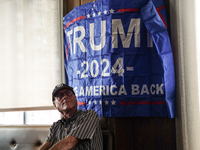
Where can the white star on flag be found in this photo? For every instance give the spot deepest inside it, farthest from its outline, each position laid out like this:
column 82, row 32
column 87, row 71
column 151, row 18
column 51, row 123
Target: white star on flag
column 105, row 11
column 88, row 15
column 113, row 102
column 111, row 11
column 94, row 14
column 89, row 102
column 99, row 13
column 100, row 102
column 106, row 102
column 95, row 102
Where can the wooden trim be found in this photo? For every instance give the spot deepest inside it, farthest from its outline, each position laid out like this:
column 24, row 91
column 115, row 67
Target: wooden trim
column 86, row 1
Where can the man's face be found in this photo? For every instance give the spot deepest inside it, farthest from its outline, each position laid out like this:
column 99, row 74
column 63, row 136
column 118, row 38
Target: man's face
column 65, row 100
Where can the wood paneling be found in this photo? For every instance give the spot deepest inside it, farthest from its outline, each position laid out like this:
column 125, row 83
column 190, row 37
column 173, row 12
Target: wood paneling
column 86, row 1
column 68, row 5
column 141, row 133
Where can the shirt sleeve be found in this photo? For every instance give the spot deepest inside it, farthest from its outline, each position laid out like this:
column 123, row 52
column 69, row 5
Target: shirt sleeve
column 51, row 135
column 86, row 125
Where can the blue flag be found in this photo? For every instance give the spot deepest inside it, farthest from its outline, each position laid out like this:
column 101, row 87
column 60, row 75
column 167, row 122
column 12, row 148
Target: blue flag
column 118, row 58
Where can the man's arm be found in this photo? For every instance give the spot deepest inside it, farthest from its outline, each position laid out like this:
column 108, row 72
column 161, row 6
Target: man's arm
column 45, row 146
column 65, row 144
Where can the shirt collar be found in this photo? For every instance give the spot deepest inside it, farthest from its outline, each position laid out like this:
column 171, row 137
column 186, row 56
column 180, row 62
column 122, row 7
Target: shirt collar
column 77, row 113
column 71, row 118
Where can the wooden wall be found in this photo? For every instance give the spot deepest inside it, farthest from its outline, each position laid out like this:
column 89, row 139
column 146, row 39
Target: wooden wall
column 137, row 133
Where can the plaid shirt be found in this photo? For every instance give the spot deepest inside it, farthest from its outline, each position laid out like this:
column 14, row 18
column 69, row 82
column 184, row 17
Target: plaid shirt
column 83, row 125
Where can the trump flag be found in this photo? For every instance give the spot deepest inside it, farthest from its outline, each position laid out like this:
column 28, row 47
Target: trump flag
column 118, row 58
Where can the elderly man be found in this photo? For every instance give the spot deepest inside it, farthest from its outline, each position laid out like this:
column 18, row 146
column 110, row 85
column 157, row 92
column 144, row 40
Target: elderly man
column 77, row 130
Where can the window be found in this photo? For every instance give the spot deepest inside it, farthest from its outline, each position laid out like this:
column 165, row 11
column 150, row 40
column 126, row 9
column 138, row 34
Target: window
column 45, row 117
column 31, row 55
column 41, row 117
column 11, row 118
column 31, row 52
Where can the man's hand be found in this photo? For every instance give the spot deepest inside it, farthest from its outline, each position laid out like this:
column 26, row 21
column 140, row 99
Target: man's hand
column 65, row 144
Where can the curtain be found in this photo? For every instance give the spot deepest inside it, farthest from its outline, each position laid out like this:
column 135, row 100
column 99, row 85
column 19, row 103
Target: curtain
column 30, row 52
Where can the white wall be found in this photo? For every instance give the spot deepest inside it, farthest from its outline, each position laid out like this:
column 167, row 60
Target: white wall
column 185, row 48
